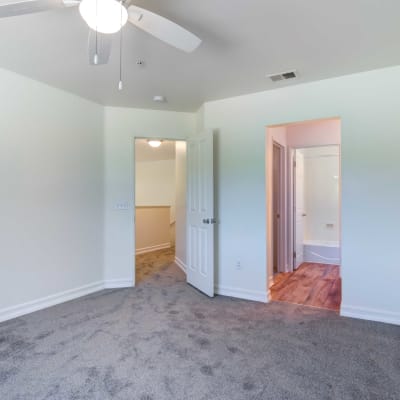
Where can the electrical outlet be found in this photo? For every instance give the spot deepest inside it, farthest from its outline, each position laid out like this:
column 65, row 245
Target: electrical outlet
column 238, row 265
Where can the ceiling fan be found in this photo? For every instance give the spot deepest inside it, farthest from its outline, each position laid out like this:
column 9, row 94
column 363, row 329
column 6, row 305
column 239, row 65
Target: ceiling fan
column 105, row 17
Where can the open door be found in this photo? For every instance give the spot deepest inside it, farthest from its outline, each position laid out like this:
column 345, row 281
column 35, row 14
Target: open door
column 299, row 211
column 200, row 214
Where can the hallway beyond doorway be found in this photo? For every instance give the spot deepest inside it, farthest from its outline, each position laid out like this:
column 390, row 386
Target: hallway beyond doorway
column 312, row 284
column 150, row 264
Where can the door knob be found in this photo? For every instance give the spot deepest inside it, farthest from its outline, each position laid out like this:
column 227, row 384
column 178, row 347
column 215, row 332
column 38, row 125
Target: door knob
column 206, row 221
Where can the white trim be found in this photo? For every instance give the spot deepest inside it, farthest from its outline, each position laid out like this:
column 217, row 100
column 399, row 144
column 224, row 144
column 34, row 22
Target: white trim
column 370, row 314
column 118, row 283
column 180, row 264
column 270, row 284
column 239, row 293
column 149, row 249
column 49, row 301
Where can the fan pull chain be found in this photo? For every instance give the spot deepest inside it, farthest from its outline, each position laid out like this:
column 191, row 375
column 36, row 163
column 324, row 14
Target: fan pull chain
column 96, row 55
column 120, row 86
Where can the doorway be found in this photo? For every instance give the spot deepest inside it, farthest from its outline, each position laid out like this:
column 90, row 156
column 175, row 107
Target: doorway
column 316, row 205
column 304, row 216
column 174, row 208
column 160, row 206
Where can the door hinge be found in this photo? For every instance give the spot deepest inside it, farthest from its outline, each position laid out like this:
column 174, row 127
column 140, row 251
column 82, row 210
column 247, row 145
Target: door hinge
column 294, row 254
column 294, row 164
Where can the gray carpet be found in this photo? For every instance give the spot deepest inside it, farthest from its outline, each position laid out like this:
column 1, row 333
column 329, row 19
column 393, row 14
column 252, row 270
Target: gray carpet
column 164, row 340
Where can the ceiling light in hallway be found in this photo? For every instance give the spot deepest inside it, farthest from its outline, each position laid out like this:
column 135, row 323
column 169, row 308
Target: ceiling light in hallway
column 154, row 143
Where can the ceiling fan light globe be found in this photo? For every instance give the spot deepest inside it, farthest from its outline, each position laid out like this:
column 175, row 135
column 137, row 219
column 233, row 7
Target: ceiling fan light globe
column 104, row 16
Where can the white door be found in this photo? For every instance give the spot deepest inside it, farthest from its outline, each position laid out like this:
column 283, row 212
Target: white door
column 299, row 211
column 200, row 214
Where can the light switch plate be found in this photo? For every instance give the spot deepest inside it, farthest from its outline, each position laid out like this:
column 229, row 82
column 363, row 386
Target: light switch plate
column 122, row 205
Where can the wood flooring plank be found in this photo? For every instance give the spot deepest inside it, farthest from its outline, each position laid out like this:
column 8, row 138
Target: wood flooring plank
column 312, row 284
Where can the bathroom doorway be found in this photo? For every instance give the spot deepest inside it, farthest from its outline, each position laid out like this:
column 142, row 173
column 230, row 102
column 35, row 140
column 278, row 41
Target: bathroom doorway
column 306, row 223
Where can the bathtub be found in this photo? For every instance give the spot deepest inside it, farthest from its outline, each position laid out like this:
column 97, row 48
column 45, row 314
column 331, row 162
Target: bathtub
column 323, row 252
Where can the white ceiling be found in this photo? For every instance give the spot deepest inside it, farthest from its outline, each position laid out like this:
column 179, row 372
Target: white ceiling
column 243, row 40
column 144, row 152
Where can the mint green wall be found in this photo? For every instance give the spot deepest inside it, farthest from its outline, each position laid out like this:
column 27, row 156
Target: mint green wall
column 369, row 106
column 122, row 125
column 51, row 203
column 57, row 150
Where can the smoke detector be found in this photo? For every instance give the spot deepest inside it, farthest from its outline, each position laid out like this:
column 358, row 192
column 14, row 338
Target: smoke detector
column 159, row 99
column 283, row 76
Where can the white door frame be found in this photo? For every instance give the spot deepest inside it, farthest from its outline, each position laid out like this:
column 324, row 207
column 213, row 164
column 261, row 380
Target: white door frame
column 282, row 212
column 291, row 202
column 292, row 210
column 269, row 222
column 133, row 191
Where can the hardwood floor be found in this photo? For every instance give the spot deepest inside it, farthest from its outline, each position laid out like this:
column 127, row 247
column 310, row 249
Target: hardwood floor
column 317, row 285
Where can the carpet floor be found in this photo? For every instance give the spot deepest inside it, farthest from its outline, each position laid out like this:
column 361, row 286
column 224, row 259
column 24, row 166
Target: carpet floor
column 164, row 340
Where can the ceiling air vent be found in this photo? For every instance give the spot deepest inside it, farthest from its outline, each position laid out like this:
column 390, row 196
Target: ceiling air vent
column 283, row 76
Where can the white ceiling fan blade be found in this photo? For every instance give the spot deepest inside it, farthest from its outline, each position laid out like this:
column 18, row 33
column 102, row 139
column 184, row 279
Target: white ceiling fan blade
column 11, row 8
column 103, row 48
column 163, row 29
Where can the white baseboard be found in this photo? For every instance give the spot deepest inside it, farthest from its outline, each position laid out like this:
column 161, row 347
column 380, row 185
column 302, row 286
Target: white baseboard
column 117, row 283
column 48, row 301
column 149, row 249
column 180, row 264
column 58, row 298
column 253, row 295
column 370, row 314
